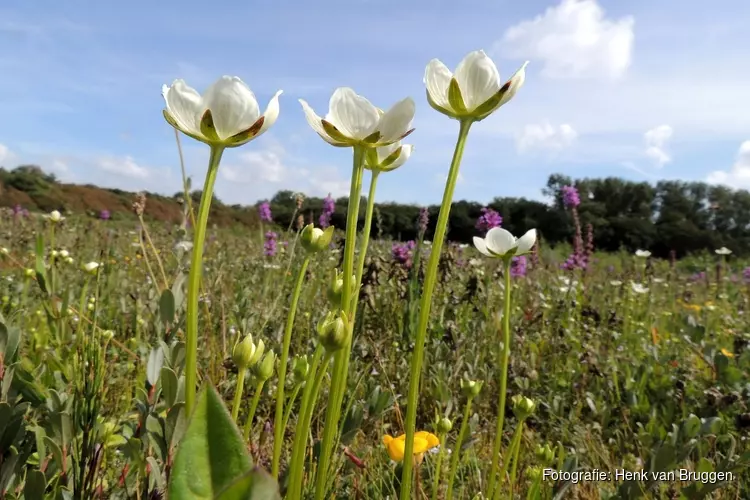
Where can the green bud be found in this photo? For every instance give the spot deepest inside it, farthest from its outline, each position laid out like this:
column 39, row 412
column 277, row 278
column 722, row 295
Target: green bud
column 315, row 239
column 534, row 473
column 301, row 369
column 108, row 335
column 444, row 425
column 260, row 348
column 4, row 251
column 333, row 331
column 545, row 454
column 29, row 272
column 264, row 370
column 523, row 407
column 335, row 290
column 244, row 352
column 471, row 388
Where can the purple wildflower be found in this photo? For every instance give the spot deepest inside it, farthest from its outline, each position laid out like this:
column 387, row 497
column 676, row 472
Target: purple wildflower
column 424, row 219
column 700, row 276
column 746, row 274
column 570, row 197
column 518, row 266
column 328, row 207
column 264, row 211
column 488, row 220
column 269, row 247
column 403, row 252
column 104, row 214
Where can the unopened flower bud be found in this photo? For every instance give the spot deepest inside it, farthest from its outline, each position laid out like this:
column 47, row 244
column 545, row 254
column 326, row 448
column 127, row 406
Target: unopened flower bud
column 545, row 454
column 264, row 370
column 64, row 254
column 69, row 260
column 4, row 251
column 534, row 473
column 54, row 254
column 243, row 352
column 260, row 348
column 55, row 216
column 315, row 239
column 471, row 388
column 28, row 272
column 523, row 407
column 108, row 334
column 333, row 331
column 301, row 369
column 444, row 425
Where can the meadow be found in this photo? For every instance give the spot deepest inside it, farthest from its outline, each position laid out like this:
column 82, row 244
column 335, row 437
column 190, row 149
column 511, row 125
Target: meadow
column 144, row 360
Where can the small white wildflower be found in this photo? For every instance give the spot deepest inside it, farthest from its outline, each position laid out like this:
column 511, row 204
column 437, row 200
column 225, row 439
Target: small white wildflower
column 54, row 216
column 91, row 267
column 638, row 288
column 64, row 254
column 184, row 246
column 615, row 282
column 723, row 251
column 644, row 254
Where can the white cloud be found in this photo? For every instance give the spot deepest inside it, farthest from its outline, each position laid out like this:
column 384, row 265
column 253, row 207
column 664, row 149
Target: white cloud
column 545, row 136
column 656, row 143
column 4, row 153
column 265, row 166
column 573, row 40
column 739, row 174
column 122, row 166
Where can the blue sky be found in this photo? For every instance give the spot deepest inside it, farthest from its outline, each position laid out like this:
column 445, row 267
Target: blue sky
column 640, row 89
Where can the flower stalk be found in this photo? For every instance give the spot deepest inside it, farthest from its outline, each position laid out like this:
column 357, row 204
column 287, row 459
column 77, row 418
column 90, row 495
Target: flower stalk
column 504, row 361
column 456, row 455
column 278, row 427
column 426, row 302
column 194, row 281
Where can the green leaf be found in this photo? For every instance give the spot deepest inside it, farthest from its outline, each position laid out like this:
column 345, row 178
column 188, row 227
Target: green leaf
column 258, row 485
column 166, row 306
column 153, row 368
column 41, row 270
column 169, row 386
column 455, row 98
column 10, row 337
column 35, row 485
column 212, row 454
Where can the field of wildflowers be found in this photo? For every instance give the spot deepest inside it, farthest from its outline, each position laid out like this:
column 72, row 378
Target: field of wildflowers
column 310, row 361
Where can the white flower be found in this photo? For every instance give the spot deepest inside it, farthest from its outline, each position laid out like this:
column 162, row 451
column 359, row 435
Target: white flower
column 638, row 288
column 183, row 246
column 427, row 242
column 723, row 251
column 54, row 216
column 64, row 254
column 352, row 120
column 474, row 91
column 615, row 282
column 658, row 280
column 91, row 267
column 500, row 243
column 4, row 251
column 645, row 254
column 227, row 114
column 387, row 158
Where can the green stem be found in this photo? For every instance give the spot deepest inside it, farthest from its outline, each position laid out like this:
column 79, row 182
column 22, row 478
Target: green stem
column 504, row 361
column 456, row 455
column 516, row 453
column 341, row 359
column 438, row 467
column 515, row 442
column 366, row 230
column 196, row 269
column 278, row 428
column 238, row 393
column 424, row 307
column 253, row 407
column 290, row 405
column 303, row 423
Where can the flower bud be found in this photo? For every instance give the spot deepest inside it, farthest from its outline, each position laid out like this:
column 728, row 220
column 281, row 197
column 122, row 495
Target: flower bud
column 4, row 251
column 108, row 335
column 55, row 216
column 444, row 425
column 523, row 407
column 28, row 272
column 335, row 290
column 264, row 370
column 315, row 239
column 333, row 331
column 301, row 369
column 534, row 473
column 545, row 454
column 91, row 267
column 244, row 352
column 64, row 254
column 69, row 260
column 54, row 254
column 471, row 388
column 260, row 348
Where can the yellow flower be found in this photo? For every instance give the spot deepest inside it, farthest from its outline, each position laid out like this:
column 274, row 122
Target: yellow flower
column 727, row 353
column 423, row 441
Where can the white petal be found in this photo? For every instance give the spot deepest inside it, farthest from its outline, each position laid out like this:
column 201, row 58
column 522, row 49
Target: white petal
column 271, row 113
column 316, row 123
column 526, row 242
column 499, row 241
column 437, row 79
column 406, row 151
column 185, row 106
column 477, row 78
column 481, row 246
column 396, row 122
column 233, row 106
column 352, row 114
column 386, row 151
column 516, row 82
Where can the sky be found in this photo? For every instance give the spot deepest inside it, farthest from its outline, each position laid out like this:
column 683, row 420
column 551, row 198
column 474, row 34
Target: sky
column 638, row 89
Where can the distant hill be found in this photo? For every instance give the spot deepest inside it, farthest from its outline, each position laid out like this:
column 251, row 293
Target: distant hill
column 31, row 188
